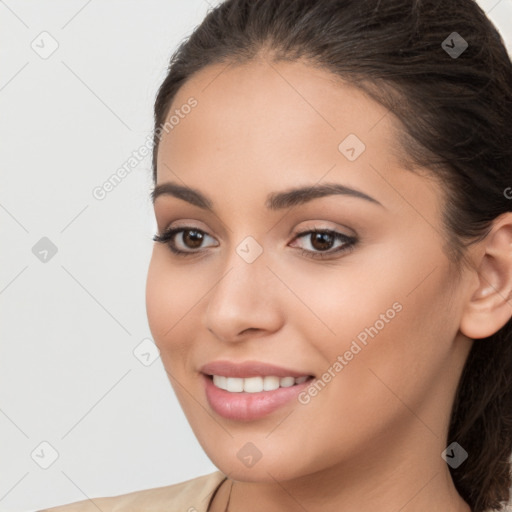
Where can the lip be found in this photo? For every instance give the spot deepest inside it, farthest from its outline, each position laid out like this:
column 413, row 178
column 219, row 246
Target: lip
column 244, row 406
column 249, row 369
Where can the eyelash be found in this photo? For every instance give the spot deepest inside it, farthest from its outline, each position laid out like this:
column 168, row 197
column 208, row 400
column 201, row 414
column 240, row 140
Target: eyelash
column 168, row 238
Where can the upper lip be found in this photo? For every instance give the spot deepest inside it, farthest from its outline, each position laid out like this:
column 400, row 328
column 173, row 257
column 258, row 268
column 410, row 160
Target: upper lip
column 248, row 369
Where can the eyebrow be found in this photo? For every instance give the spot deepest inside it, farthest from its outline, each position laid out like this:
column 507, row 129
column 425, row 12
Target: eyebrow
column 275, row 201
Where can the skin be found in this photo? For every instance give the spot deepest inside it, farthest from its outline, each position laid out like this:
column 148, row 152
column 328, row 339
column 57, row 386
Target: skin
column 372, row 438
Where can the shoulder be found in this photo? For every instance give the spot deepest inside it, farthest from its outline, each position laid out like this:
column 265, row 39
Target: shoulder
column 189, row 496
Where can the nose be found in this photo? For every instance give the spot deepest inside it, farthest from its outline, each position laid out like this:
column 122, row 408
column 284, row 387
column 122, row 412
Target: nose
column 244, row 301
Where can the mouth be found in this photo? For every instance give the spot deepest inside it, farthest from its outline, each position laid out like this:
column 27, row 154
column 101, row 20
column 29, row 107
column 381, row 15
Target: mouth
column 256, row 384
column 252, row 398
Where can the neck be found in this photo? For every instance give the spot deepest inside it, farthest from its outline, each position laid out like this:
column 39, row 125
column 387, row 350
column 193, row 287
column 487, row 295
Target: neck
column 238, row 496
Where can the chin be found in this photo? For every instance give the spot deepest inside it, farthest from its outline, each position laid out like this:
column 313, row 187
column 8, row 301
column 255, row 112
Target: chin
column 273, row 464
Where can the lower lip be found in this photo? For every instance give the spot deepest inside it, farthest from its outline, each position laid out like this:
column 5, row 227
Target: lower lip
column 243, row 406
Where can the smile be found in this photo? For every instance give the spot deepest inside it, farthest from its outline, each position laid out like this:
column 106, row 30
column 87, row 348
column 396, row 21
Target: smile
column 256, row 384
column 247, row 400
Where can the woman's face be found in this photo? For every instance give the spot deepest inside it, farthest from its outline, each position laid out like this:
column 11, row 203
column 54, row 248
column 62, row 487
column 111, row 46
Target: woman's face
column 375, row 320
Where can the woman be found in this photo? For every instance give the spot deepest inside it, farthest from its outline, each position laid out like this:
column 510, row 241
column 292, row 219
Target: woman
column 331, row 285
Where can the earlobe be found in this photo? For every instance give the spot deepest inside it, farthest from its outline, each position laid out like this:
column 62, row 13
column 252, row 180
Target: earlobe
column 489, row 307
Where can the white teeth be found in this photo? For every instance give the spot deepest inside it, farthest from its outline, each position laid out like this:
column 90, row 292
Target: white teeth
column 270, row 383
column 220, row 381
column 286, row 382
column 234, row 384
column 255, row 384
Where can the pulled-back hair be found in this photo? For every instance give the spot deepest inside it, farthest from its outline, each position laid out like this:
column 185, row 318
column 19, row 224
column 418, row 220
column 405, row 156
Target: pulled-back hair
column 455, row 113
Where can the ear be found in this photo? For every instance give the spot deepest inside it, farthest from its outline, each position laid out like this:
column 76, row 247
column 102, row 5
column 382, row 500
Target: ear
column 489, row 307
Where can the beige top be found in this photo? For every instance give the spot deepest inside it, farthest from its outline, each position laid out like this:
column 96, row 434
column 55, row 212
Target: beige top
column 190, row 496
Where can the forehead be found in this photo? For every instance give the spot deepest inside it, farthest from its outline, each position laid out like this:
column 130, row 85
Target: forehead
column 260, row 99
column 249, row 108
column 265, row 123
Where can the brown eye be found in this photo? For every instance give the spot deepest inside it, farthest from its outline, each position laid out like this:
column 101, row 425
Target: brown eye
column 322, row 241
column 183, row 241
column 192, row 238
column 187, row 241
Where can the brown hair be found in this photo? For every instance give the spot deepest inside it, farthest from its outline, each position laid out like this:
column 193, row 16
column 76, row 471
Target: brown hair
column 456, row 118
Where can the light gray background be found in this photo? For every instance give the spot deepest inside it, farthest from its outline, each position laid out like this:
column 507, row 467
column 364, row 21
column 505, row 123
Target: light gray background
column 69, row 326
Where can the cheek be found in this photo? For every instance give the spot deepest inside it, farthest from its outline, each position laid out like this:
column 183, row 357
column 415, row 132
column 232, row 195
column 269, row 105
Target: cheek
column 158, row 300
column 171, row 296
column 170, row 299
column 389, row 317
column 335, row 304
